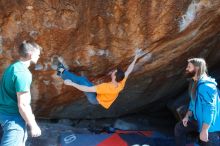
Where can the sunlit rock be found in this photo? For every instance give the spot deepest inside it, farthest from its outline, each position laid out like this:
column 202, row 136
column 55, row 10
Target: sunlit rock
column 93, row 37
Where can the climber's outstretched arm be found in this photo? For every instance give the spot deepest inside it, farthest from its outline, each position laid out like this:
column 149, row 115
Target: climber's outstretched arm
column 131, row 66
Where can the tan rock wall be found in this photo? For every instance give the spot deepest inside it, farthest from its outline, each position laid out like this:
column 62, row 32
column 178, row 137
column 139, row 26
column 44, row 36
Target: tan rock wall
column 92, row 37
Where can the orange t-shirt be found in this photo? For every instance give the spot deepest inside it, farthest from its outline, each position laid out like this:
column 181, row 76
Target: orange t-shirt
column 107, row 92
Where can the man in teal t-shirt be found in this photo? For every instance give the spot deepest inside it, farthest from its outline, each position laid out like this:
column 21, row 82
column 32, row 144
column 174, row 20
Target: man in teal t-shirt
column 16, row 78
column 15, row 97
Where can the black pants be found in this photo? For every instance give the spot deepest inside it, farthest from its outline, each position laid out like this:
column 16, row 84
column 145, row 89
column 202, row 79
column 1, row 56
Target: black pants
column 181, row 134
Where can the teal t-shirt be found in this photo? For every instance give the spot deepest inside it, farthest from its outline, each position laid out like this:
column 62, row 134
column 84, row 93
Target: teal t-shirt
column 16, row 78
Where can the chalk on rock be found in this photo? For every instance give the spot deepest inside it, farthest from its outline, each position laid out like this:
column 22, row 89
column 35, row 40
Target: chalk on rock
column 140, row 52
column 55, row 61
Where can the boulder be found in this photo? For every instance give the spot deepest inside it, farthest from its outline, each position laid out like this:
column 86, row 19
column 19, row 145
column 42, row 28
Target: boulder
column 94, row 37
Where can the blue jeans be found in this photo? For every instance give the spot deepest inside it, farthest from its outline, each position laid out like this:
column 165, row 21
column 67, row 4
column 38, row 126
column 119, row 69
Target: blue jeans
column 91, row 96
column 14, row 130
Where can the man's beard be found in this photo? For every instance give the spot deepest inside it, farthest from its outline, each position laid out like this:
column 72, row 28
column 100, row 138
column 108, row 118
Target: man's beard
column 189, row 74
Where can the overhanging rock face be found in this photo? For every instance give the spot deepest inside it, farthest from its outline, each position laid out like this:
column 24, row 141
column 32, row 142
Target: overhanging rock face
column 92, row 37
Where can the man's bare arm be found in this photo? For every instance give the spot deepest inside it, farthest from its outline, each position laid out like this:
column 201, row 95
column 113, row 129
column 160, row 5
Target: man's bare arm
column 189, row 114
column 26, row 112
column 138, row 53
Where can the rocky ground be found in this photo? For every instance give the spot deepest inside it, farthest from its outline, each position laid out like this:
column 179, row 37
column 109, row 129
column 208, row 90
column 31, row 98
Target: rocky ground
column 51, row 129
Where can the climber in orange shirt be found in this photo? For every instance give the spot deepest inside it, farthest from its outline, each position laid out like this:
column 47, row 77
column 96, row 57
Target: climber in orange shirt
column 105, row 93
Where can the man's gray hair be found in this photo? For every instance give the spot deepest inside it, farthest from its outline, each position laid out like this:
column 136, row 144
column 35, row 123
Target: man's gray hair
column 27, row 47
